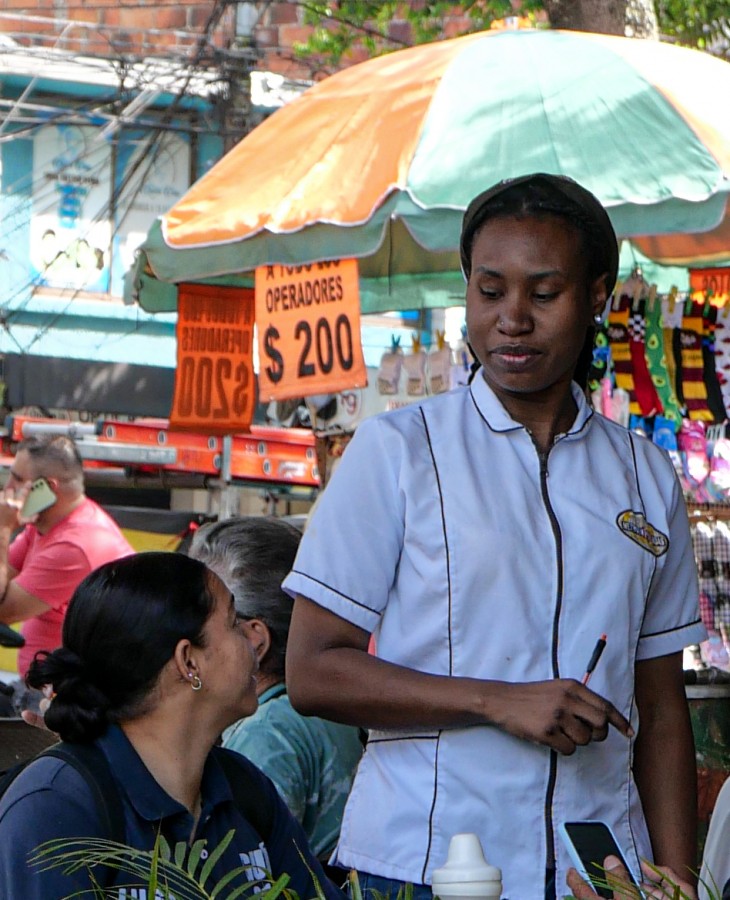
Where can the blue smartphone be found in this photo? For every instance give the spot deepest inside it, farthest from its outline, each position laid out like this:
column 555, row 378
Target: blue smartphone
column 588, row 844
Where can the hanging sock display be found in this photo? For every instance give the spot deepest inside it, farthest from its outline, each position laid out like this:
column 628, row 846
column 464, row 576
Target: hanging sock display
column 722, row 353
column 600, row 361
column 646, row 394
column 618, row 336
column 714, row 394
column 692, row 368
column 656, row 358
column 672, row 311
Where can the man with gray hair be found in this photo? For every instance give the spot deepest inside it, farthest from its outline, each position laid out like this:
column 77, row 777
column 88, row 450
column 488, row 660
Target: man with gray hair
column 60, row 544
column 311, row 761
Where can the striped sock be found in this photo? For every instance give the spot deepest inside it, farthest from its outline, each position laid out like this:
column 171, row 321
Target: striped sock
column 618, row 336
column 692, row 369
column 714, row 394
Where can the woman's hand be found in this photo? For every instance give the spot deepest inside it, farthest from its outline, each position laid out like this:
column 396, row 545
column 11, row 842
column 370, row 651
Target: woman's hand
column 37, row 719
column 560, row 714
column 660, row 881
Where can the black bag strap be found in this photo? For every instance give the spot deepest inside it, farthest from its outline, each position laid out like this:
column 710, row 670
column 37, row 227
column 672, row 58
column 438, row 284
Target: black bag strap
column 90, row 762
column 248, row 794
column 92, row 765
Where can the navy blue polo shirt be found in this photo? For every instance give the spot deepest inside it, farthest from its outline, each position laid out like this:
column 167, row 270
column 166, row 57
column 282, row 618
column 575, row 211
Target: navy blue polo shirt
column 50, row 799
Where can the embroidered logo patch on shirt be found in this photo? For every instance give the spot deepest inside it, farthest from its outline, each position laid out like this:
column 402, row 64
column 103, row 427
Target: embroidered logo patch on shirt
column 634, row 526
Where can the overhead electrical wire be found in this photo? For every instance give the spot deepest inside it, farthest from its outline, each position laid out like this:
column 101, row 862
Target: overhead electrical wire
column 150, row 157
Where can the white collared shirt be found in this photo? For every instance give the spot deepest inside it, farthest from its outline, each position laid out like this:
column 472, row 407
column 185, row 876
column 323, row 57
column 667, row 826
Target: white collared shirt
column 440, row 533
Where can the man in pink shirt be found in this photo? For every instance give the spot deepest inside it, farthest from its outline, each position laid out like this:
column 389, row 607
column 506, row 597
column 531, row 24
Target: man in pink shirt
column 57, row 549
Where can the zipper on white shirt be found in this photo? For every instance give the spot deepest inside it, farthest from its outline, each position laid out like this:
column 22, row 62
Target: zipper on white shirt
column 557, row 535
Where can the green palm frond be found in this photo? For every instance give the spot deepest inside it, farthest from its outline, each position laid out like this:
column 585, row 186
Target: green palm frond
column 166, row 873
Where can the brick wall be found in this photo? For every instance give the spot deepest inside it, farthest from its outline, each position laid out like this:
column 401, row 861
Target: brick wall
column 117, row 27
column 174, row 27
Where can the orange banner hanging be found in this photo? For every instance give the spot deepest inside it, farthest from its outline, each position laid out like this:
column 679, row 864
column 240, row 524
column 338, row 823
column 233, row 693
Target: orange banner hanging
column 711, row 285
column 308, row 320
column 215, row 389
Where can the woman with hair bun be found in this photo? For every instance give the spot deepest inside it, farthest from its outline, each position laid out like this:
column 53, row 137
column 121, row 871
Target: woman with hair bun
column 154, row 666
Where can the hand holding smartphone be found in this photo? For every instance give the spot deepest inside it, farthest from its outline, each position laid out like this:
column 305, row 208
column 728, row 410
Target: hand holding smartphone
column 588, row 844
column 40, row 497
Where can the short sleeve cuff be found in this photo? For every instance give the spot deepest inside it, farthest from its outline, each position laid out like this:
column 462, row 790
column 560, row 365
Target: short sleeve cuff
column 662, row 643
column 323, row 595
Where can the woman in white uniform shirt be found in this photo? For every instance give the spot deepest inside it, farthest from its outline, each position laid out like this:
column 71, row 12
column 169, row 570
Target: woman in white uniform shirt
column 488, row 537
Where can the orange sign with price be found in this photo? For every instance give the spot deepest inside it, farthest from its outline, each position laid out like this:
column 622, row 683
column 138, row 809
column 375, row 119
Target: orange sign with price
column 308, row 320
column 215, row 388
column 710, row 284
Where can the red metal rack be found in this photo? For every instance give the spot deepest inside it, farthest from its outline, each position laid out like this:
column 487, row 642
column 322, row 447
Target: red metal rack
column 266, row 454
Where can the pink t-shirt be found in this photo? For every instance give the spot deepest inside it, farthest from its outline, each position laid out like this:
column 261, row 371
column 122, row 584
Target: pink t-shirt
column 50, row 566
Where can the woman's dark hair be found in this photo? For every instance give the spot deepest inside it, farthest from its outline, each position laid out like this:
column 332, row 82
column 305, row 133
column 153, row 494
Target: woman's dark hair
column 547, row 195
column 121, row 628
column 542, row 195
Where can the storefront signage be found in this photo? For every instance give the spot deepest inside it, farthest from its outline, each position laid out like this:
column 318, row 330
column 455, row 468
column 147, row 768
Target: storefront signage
column 214, row 381
column 70, row 226
column 308, row 320
column 710, row 284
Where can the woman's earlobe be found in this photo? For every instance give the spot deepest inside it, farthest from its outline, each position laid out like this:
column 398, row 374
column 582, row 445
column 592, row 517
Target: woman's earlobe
column 183, row 658
column 599, row 297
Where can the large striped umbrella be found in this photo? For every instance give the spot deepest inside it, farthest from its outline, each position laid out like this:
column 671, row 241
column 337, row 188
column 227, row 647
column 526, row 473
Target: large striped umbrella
column 379, row 161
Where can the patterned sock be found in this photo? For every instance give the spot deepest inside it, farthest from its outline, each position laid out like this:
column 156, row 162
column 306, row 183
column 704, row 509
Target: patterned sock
column 676, row 344
column 618, row 336
column 714, row 394
column 694, row 391
column 672, row 323
column 646, row 394
column 600, row 361
column 656, row 357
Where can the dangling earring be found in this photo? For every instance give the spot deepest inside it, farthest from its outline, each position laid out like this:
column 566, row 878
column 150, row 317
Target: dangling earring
column 196, row 684
column 598, row 318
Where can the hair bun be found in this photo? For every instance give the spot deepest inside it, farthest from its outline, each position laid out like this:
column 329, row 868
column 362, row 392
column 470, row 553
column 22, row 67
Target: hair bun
column 54, row 667
column 79, row 708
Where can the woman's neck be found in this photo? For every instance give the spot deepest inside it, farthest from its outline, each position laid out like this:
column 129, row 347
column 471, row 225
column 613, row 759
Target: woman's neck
column 544, row 417
column 174, row 755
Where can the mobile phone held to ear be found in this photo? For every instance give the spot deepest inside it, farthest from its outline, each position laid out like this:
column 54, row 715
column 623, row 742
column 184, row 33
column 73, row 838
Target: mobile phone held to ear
column 39, row 497
column 589, row 843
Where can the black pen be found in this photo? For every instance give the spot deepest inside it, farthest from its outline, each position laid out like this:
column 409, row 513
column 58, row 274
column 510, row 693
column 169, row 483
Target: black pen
column 596, row 655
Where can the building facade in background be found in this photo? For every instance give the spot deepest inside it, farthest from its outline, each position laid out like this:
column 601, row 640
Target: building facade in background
column 108, row 113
